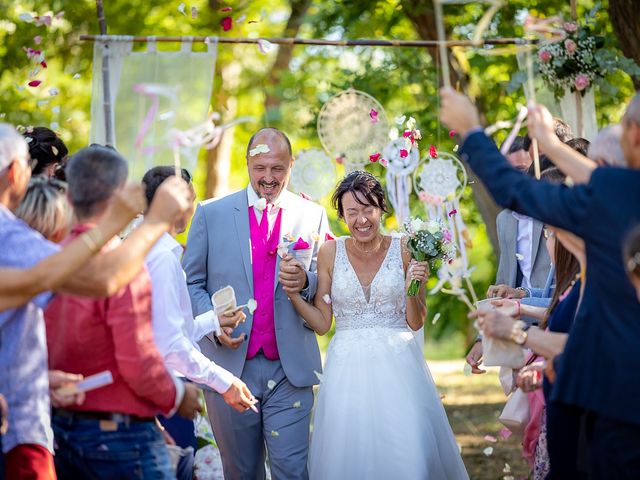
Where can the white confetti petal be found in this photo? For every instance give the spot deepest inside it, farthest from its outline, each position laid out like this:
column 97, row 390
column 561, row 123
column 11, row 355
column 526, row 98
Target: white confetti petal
column 319, row 375
column 42, row 103
column 54, row 125
column 519, row 257
column 400, row 120
column 55, row 109
column 252, row 305
column 26, row 17
column 271, row 384
column 53, row 91
column 181, row 8
column 76, row 76
column 326, row 299
column 436, row 317
column 241, row 18
column 488, row 451
column 54, row 150
column 283, row 249
column 297, row 404
column 507, row 468
column 467, row 369
column 264, row 46
column 274, row 433
column 260, row 148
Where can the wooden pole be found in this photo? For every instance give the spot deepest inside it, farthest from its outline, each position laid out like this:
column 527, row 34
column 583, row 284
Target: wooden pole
column 106, row 85
column 307, row 41
column 578, row 96
column 442, row 48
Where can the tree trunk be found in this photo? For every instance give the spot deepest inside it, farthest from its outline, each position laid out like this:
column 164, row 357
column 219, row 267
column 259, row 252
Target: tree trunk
column 623, row 14
column 422, row 15
column 285, row 52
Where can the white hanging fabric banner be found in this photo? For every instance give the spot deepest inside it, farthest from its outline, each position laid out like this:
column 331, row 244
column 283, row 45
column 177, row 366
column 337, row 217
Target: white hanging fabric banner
column 153, row 94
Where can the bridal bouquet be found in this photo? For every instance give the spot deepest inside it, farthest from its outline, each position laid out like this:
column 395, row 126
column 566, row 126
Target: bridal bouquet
column 430, row 241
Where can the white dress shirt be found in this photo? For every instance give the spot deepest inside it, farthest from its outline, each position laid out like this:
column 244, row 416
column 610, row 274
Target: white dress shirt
column 524, row 247
column 174, row 328
column 254, row 201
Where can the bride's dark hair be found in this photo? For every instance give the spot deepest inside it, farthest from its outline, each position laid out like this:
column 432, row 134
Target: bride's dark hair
column 363, row 183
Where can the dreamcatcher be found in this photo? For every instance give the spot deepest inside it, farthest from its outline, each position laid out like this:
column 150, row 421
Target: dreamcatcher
column 313, row 173
column 350, row 131
column 401, row 163
column 439, row 183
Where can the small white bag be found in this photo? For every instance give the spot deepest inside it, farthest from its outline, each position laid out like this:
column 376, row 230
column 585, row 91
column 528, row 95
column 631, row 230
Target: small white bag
column 516, row 412
column 502, row 353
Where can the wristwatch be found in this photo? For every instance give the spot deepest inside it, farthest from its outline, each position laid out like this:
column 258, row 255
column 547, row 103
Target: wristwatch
column 518, row 333
column 525, row 291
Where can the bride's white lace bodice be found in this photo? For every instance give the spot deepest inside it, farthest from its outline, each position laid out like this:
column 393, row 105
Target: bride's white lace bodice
column 386, row 306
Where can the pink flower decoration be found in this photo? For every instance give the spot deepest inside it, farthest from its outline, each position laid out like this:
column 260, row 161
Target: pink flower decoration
column 544, row 56
column 452, row 133
column 404, row 153
column 570, row 27
column 581, row 82
column 453, row 212
column 373, row 114
column 44, row 64
column 384, row 162
column 374, row 157
column 300, row 244
column 407, row 134
column 226, row 23
column 446, row 234
column 37, row 39
column 423, row 196
column 34, row 83
column 571, row 46
column 328, row 236
column 433, row 152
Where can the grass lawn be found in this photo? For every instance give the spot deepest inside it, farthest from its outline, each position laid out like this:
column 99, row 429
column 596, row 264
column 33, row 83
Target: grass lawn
column 473, row 404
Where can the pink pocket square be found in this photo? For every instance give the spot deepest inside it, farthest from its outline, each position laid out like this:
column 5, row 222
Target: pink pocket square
column 300, row 244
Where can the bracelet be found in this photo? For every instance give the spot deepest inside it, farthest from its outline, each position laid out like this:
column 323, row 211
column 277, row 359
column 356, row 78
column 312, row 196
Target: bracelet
column 519, row 308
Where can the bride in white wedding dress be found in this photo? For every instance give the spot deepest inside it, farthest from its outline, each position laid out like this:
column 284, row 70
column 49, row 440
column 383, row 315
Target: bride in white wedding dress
column 378, row 413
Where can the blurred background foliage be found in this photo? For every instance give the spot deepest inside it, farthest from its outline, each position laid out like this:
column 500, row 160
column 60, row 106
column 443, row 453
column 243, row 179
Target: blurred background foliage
column 287, row 87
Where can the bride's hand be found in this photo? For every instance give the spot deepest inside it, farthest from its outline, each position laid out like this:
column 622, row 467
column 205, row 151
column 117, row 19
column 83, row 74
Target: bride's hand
column 417, row 271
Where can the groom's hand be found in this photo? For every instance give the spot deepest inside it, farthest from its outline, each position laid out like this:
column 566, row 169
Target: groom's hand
column 293, row 276
column 457, row 111
column 227, row 340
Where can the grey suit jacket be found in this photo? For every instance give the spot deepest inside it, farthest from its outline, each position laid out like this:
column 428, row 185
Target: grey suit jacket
column 218, row 254
column 507, row 226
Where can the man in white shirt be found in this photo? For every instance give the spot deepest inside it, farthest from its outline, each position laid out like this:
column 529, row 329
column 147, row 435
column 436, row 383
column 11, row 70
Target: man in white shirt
column 176, row 331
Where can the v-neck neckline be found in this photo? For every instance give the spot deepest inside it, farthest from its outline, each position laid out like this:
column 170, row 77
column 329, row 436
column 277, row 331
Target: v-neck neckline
column 353, row 270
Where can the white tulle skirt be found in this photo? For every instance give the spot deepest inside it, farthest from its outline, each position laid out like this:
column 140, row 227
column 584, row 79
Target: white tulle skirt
column 378, row 413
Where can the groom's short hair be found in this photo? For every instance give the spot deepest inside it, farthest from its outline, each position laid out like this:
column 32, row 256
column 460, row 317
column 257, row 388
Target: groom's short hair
column 272, row 130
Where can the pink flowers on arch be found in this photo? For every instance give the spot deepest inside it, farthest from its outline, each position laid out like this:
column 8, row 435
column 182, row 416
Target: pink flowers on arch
column 373, row 114
column 544, row 56
column 226, row 23
column 570, row 27
column 571, row 46
column 582, row 82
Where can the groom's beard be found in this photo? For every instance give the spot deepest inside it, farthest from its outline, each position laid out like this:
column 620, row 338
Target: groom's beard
column 275, row 190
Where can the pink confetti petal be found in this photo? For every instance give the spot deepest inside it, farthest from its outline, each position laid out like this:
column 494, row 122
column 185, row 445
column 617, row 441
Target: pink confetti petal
column 384, row 162
column 340, row 160
column 301, row 244
column 406, row 134
column 226, row 9
column 490, row 438
column 453, row 212
column 194, row 12
column 505, row 433
column 44, row 64
column 59, row 15
column 37, row 39
column 433, row 153
column 34, row 83
column 374, row 157
column 452, row 133
column 404, row 153
column 373, row 114
column 226, row 23
column 305, row 196
column 328, row 236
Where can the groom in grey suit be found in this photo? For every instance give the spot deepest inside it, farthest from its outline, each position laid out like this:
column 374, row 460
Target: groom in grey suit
column 234, row 241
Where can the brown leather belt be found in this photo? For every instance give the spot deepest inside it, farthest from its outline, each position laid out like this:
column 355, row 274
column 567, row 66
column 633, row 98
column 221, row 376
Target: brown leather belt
column 111, row 416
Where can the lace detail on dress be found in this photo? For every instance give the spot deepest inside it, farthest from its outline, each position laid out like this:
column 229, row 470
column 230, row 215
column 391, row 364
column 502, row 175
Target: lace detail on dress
column 386, row 306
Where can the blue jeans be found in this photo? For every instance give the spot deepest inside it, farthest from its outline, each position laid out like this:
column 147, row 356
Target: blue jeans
column 93, row 449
